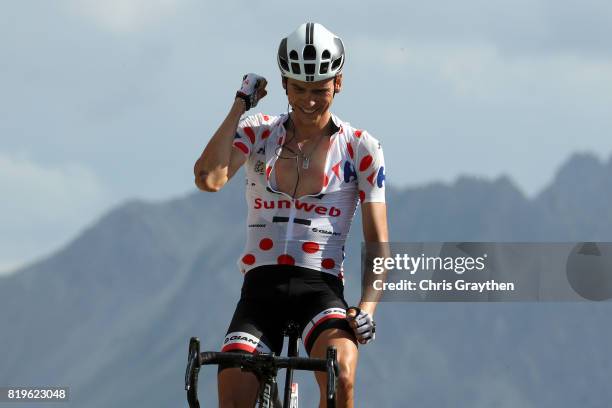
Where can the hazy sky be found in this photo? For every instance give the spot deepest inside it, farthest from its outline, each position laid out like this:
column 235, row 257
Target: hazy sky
column 107, row 100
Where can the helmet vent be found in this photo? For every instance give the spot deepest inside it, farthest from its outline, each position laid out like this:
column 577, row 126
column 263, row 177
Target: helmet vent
column 324, row 67
column 310, row 52
column 336, row 63
column 307, row 57
column 309, row 69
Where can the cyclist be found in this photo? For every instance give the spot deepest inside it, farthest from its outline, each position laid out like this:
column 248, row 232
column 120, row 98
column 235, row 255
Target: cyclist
column 306, row 171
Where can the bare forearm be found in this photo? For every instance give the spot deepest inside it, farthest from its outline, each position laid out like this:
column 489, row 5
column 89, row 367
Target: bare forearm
column 376, row 237
column 369, row 296
column 211, row 169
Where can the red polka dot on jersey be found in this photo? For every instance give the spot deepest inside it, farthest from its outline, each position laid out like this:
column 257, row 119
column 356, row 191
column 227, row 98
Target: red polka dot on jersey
column 336, row 169
column 310, row 247
column 365, row 162
column 248, row 259
column 268, row 171
column 286, row 260
column 249, row 132
column 242, row 147
column 265, row 134
column 361, row 195
column 266, row 118
column 371, row 177
column 266, row 244
column 350, row 149
column 358, row 133
column 328, row 263
column 325, row 180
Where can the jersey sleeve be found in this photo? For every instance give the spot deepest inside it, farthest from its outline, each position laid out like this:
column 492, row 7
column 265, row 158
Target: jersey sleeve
column 246, row 134
column 251, row 129
column 370, row 163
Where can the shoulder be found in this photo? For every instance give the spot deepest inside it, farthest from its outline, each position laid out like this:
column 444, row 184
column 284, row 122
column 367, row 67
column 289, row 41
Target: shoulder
column 369, row 164
column 358, row 138
column 260, row 119
column 257, row 127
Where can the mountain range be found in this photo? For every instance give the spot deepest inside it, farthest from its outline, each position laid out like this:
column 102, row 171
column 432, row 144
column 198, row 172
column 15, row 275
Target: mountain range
column 110, row 314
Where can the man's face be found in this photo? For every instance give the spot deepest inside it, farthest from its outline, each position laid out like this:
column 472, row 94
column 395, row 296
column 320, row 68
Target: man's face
column 311, row 100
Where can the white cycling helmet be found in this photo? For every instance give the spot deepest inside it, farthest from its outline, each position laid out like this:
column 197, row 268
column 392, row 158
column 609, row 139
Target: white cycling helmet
column 311, row 53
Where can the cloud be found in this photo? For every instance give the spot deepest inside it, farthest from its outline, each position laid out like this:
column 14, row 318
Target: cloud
column 9, row 266
column 521, row 27
column 121, row 16
column 481, row 71
column 473, row 109
column 469, row 86
column 43, row 206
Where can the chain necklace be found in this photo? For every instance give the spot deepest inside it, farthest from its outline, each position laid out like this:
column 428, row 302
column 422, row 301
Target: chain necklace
column 306, row 158
column 300, row 153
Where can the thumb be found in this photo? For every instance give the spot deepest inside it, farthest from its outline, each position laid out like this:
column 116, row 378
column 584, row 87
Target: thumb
column 351, row 313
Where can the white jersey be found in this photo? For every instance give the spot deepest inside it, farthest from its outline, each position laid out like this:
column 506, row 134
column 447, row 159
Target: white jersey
column 309, row 231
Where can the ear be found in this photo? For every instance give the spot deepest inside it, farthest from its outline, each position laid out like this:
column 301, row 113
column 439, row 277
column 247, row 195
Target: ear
column 337, row 83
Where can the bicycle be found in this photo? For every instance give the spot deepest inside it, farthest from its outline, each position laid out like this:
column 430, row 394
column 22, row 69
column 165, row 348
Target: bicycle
column 265, row 367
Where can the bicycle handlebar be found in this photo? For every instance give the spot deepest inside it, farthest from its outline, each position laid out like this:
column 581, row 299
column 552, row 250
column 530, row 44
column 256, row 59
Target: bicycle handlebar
column 296, row 363
column 267, row 363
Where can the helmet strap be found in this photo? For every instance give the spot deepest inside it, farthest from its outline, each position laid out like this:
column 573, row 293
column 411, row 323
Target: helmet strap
column 335, row 81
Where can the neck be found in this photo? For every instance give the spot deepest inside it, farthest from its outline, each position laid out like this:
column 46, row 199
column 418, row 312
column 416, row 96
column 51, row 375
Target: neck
column 307, row 131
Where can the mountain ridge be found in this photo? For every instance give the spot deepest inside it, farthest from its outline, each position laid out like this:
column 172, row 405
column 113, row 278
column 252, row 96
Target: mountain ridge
column 114, row 309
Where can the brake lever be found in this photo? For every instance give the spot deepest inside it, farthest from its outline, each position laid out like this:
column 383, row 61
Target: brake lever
column 191, row 373
column 333, row 371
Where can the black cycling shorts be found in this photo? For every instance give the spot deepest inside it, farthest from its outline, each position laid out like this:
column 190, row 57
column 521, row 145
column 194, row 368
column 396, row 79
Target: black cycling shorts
column 273, row 295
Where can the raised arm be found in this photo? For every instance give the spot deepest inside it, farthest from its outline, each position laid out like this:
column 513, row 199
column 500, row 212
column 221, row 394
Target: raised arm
column 220, row 161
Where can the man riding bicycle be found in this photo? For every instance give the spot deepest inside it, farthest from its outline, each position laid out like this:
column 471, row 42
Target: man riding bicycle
column 306, row 171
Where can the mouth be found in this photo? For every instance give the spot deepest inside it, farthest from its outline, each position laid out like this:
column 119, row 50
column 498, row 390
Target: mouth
column 308, row 111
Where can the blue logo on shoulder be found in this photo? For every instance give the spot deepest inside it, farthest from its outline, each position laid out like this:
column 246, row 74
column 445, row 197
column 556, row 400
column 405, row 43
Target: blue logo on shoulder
column 349, row 172
column 380, row 179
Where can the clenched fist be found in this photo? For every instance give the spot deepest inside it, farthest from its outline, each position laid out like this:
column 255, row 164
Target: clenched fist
column 252, row 90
